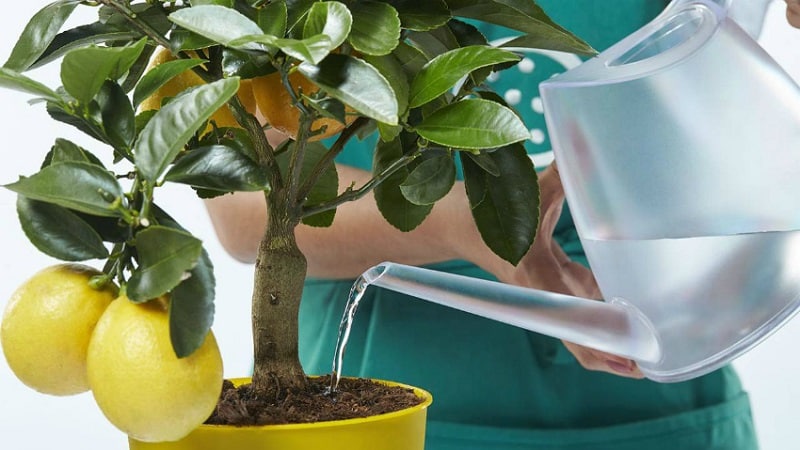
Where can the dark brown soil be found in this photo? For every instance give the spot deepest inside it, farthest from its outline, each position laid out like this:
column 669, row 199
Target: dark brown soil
column 355, row 398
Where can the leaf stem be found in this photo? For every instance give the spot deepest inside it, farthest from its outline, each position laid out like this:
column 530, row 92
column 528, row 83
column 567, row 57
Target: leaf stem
column 350, row 194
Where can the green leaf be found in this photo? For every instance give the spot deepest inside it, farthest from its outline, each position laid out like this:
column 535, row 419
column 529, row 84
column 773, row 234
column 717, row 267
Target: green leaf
column 445, row 70
column 525, row 16
column 59, row 232
column 326, row 188
column 430, row 180
column 107, row 63
column 484, row 161
column 331, row 19
column 160, row 75
column 191, row 308
column 391, row 69
column 411, row 58
column 174, row 124
column 119, row 119
column 376, row 28
column 273, row 18
column 10, row 79
column 218, row 168
column 505, row 208
column 75, row 185
column 38, row 34
column 393, row 205
column 67, row 151
column 218, row 23
column 165, row 257
column 298, row 10
column 356, row 84
column 421, row 15
column 83, row 36
column 473, row 124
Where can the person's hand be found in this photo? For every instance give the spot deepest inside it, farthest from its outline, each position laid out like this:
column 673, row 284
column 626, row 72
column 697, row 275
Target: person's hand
column 793, row 12
column 547, row 267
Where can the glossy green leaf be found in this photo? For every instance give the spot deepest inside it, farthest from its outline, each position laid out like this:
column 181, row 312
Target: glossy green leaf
column 357, row 84
column 218, row 23
column 176, row 122
column 67, row 151
column 83, row 36
column 430, row 180
column 445, row 70
column 63, row 113
column 191, row 308
column 160, row 75
column 421, row 15
column 411, row 58
column 80, row 186
column 119, row 118
column 473, row 124
column 505, row 208
column 10, row 79
column 273, row 18
column 331, row 19
column 391, row 69
column 38, row 34
column 521, row 15
column 59, row 232
column 376, row 28
column 484, row 161
column 165, row 256
column 220, row 168
column 107, row 63
column 393, row 205
column 434, row 42
column 298, row 10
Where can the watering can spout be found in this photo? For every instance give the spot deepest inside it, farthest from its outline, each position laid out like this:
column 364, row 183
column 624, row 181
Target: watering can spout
column 613, row 327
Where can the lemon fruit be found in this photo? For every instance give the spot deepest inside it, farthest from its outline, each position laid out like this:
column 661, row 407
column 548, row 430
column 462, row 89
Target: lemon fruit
column 47, row 326
column 276, row 106
column 223, row 117
column 138, row 382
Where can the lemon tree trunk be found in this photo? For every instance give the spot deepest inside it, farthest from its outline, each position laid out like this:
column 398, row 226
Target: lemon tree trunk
column 280, row 271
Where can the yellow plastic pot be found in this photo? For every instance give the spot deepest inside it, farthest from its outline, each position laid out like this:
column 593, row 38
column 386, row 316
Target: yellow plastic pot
column 400, row 430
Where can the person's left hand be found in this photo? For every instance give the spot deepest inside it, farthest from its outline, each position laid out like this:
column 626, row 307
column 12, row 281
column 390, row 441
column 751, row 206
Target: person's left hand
column 547, row 266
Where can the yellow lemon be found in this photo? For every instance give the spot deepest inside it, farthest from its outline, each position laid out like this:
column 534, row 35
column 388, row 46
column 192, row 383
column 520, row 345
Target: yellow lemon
column 47, row 326
column 223, row 116
column 138, row 382
column 276, row 106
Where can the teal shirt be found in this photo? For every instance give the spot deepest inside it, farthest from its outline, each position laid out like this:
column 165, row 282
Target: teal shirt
column 500, row 387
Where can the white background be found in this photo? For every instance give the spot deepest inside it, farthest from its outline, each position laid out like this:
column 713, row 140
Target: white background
column 29, row 420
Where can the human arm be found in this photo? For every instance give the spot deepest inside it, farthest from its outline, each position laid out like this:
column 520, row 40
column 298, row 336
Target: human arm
column 360, row 238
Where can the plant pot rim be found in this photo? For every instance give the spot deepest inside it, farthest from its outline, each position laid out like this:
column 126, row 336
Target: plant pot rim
column 421, row 393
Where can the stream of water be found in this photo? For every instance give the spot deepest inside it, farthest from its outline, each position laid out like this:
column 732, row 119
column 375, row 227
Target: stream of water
column 353, row 300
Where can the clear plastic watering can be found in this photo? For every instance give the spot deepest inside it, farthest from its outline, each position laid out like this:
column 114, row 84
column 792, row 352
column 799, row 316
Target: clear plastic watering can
column 679, row 151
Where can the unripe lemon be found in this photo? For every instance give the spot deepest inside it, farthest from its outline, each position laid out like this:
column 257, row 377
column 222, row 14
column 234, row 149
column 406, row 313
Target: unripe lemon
column 223, row 116
column 138, row 382
column 47, row 325
column 276, row 106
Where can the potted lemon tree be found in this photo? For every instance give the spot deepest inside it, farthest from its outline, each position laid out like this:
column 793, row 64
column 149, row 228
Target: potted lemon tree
column 182, row 92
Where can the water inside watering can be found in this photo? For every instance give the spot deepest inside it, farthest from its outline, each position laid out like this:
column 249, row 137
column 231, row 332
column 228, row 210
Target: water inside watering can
column 707, row 296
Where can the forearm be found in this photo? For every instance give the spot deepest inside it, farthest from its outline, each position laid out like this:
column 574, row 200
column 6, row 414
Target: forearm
column 359, row 237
